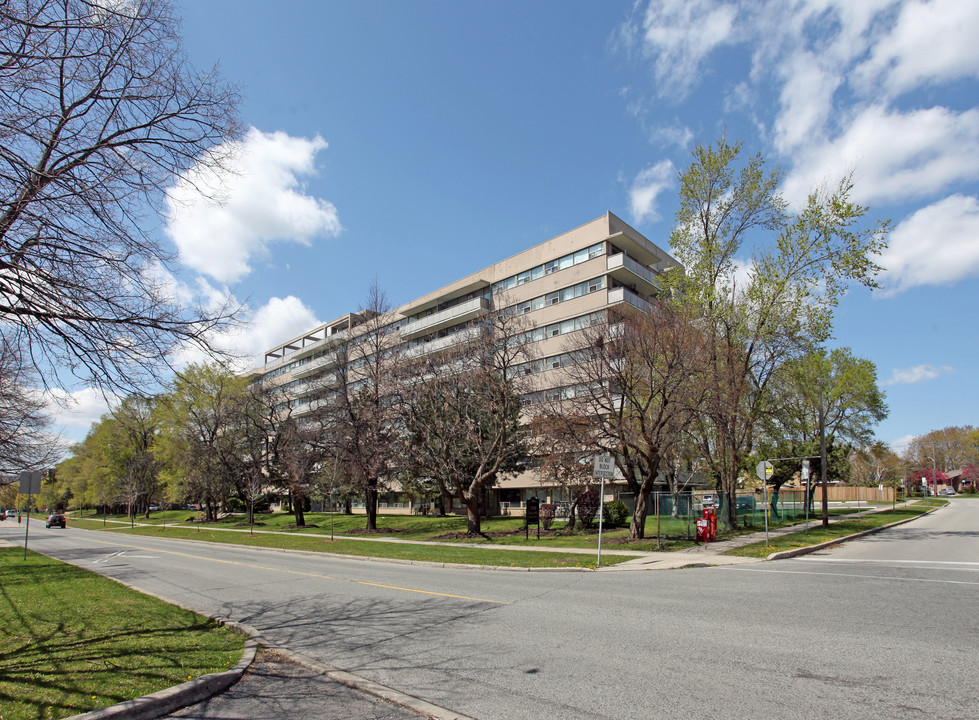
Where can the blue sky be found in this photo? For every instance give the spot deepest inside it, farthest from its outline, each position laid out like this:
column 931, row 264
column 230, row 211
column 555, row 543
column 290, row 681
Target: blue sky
column 416, row 142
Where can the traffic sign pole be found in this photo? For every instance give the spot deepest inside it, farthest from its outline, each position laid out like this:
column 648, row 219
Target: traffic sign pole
column 765, row 470
column 604, row 468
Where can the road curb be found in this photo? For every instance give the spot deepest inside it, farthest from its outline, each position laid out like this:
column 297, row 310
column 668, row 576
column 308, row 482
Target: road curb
column 837, row 541
column 423, row 707
column 193, row 691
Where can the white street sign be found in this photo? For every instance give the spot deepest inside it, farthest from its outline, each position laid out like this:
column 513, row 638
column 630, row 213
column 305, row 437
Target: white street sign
column 604, row 467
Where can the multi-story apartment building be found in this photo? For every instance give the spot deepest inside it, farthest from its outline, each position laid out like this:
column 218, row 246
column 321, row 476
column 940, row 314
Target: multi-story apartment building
column 560, row 286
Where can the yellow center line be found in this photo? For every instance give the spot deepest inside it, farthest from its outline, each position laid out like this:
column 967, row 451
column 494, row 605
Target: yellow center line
column 297, row 572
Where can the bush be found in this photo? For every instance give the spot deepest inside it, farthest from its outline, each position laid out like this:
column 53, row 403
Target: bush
column 234, row 505
column 547, row 513
column 616, row 514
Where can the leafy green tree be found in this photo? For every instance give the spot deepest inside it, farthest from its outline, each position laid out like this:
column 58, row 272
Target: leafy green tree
column 761, row 286
column 196, row 439
column 128, row 451
column 852, row 404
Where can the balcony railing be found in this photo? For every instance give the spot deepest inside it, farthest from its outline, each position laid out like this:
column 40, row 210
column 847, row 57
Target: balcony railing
column 624, row 295
column 443, row 343
column 628, row 271
column 463, row 312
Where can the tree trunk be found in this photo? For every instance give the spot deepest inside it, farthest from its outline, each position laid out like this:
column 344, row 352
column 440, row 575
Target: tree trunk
column 370, row 505
column 300, row 516
column 471, row 501
column 637, row 528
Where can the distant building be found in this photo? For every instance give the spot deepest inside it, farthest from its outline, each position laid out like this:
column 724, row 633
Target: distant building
column 562, row 285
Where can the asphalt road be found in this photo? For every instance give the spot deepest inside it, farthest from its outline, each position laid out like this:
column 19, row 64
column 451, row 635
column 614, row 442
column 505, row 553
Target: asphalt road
column 884, row 627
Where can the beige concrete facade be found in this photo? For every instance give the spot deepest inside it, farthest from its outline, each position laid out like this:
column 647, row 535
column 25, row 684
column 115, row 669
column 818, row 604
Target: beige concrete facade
column 557, row 287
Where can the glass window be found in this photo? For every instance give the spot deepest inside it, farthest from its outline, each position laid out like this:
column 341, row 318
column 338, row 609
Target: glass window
column 567, row 293
column 595, row 250
column 566, row 262
column 581, row 256
column 523, row 277
column 550, row 267
column 552, row 298
column 537, row 272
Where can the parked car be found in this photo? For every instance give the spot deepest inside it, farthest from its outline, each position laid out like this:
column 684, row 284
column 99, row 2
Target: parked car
column 946, row 491
column 708, row 501
column 745, row 504
column 56, row 520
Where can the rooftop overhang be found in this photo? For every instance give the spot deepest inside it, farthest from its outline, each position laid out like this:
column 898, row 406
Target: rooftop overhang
column 444, row 295
column 642, row 250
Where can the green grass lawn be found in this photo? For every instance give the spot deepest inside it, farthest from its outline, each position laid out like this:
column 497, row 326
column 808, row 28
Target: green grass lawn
column 841, row 528
column 72, row 641
column 448, row 531
column 318, row 542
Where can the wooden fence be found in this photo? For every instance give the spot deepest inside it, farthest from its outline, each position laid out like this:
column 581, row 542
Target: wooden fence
column 846, row 493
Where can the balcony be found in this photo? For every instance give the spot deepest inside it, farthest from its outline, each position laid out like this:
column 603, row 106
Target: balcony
column 629, row 272
column 443, row 343
column 463, row 312
column 315, row 366
column 621, row 295
column 291, row 352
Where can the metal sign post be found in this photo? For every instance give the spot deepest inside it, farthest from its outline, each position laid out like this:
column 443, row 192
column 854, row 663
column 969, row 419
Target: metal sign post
column 604, row 468
column 30, row 484
column 765, row 470
column 805, row 476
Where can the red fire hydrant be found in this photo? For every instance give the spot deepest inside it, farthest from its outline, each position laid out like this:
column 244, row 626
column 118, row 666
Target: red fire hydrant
column 707, row 526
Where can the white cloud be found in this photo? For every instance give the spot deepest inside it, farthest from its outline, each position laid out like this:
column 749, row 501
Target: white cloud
column 917, row 374
column 646, row 187
column 937, row 245
column 834, row 68
column 273, row 323
column 74, row 412
column 679, row 35
column 929, row 42
column 901, row 444
column 262, row 201
column 894, row 155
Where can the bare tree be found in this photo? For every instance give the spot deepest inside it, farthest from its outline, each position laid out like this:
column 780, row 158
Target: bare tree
column 461, row 413
column 301, row 449
column 632, row 387
column 25, row 443
column 358, row 396
column 99, row 112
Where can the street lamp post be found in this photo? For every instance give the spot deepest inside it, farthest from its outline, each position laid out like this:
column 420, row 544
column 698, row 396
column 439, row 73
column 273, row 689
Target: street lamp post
column 934, row 473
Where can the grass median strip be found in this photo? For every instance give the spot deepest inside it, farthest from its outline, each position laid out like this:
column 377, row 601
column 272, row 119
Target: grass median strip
column 72, row 641
column 454, row 554
column 818, row 534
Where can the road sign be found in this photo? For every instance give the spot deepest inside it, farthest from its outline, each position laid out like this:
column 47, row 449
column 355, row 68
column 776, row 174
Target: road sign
column 805, row 469
column 30, row 483
column 604, row 467
column 765, row 470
